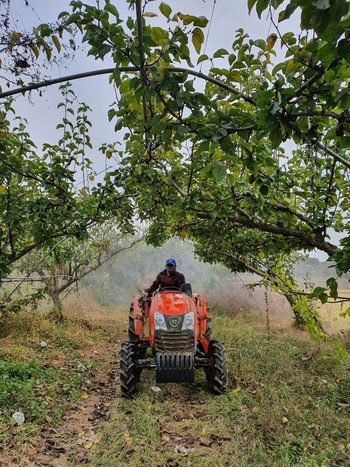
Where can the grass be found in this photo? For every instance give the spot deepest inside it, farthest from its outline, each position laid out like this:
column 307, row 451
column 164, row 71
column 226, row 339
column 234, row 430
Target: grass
column 287, row 404
column 38, row 380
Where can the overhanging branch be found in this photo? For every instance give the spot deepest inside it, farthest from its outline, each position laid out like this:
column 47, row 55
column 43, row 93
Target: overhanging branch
column 87, row 74
column 332, row 153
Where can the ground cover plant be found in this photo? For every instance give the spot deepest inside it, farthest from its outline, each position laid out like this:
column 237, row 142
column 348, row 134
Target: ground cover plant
column 46, row 369
column 242, row 150
column 287, row 402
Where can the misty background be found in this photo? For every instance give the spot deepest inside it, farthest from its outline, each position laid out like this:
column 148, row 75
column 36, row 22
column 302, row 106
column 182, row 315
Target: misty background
column 131, row 271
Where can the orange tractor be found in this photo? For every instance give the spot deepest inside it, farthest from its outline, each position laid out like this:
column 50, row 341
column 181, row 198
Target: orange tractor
column 171, row 334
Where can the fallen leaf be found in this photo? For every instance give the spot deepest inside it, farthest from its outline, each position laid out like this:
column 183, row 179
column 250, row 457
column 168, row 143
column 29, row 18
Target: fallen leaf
column 127, row 438
column 189, row 439
column 340, row 447
column 155, row 389
column 80, row 457
column 181, row 450
column 89, row 445
column 205, row 441
column 342, row 405
column 84, row 396
column 284, row 420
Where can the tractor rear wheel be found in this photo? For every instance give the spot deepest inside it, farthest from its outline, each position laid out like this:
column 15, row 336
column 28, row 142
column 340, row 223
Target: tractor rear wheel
column 129, row 374
column 217, row 369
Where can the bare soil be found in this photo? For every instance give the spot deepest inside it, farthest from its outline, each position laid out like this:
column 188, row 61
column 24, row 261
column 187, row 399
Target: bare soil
column 73, row 441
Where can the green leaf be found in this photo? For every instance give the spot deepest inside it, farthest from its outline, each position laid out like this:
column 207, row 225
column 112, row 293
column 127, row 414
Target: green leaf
column 197, row 39
column 322, row 4
column 201, row 21
column 287, row 13
column 57, row 43
column 303, row 123
column 202, row 58
column 333, row 287
column 219, row 172
column 165, row 9
column 188, row 19
column 35, row 50
column 264, row 189
column 112, row 9
column 251, row 3
column 261, row 6
column 344, row 49
column 320, row 293
column 220, row 53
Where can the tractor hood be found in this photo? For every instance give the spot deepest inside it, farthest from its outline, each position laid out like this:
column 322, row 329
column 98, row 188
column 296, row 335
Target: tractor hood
column 171, row 303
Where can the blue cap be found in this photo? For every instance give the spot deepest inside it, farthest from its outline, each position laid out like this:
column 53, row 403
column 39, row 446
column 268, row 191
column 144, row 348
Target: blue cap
column 170, row 261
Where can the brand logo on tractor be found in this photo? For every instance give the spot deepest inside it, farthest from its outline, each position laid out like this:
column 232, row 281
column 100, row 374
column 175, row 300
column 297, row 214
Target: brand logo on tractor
column 174, row 322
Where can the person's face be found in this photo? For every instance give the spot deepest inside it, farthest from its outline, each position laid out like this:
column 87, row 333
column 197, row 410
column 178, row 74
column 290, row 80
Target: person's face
column 170, row 268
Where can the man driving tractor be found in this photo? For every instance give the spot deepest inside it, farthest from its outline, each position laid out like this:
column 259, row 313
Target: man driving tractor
column 169, row 277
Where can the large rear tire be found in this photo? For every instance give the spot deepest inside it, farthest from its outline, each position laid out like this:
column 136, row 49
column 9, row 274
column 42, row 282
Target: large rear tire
column 217, row 370
column 128, row 371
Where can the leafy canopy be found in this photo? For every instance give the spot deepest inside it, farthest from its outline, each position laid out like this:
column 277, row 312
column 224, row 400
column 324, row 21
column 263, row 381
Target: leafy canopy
column 248, row 160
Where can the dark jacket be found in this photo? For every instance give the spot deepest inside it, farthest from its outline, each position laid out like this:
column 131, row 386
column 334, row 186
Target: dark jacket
column 174, row 279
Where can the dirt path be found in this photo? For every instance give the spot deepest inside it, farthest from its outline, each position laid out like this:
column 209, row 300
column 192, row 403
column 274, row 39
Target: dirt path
column 73, row 441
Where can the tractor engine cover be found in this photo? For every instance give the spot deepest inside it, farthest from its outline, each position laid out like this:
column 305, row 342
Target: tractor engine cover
column 174, row 368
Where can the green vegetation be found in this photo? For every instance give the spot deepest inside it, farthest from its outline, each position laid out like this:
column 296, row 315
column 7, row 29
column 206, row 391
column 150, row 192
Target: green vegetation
column 287, row 404
column 244, row 153
column 37, row 390
column 42, row 368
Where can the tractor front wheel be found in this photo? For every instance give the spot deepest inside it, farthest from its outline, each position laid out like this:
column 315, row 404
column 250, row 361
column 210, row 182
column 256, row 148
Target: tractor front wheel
column 128, row 371
column 217, row 369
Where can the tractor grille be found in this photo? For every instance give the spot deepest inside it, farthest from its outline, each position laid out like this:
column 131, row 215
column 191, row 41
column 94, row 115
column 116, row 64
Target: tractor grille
column 174, row 341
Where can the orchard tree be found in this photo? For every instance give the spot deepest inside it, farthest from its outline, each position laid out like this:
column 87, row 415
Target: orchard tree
column 53, row 273
column 27, row 51
column 48, row 206
column 248, row 160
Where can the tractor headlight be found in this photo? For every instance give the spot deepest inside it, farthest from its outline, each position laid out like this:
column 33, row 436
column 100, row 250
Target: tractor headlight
column 159, row 321
column 188, row 322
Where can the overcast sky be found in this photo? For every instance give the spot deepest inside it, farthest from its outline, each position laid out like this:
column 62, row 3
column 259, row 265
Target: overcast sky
column 227, row 16
column 41, row 111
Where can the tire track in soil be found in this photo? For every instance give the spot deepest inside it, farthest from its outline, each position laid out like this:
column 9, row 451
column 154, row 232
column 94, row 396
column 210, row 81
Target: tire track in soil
column 74, row 440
